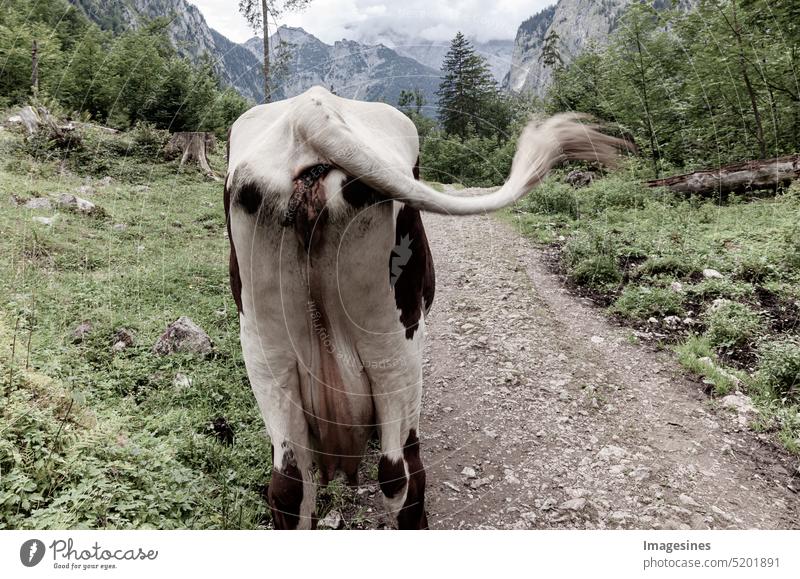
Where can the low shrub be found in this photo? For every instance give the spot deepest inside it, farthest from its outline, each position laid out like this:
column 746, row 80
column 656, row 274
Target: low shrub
column 732, row 325
column 779, row 367
column 639, row 302
column 597, row 272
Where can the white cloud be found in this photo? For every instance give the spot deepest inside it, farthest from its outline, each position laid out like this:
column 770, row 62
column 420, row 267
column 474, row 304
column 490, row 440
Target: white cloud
column 332, row 20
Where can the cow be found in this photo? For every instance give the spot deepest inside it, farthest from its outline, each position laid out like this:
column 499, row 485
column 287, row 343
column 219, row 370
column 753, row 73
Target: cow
column 333, row 279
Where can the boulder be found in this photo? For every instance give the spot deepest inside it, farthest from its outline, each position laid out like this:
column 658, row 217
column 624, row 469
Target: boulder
column 38, row 203
column 183, row 336
column 709, row 273
column 123, row 339
column 74, row 203
column 81, row 331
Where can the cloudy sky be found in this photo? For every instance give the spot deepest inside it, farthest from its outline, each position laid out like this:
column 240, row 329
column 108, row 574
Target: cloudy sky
column 332, row 20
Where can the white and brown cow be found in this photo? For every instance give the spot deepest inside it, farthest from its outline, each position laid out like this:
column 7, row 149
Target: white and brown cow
column 333, row 278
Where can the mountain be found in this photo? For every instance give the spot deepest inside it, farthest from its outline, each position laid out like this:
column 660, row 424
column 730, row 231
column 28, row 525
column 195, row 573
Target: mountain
column 351, row 69
column 431, row 52
column 578, row 24
column 189, row 33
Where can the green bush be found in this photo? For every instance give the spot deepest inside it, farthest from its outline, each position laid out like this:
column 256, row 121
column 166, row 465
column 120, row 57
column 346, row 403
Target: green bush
column 551, row 198
column 475, row 161
column 720, row 288
column 597, row 272
column 732, row 325
column 779, row 367
column 639, row 302
column 668, row 265
column 148, row 141
column 754, row 268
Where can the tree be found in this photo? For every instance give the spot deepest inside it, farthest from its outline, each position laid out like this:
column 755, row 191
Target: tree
column 550, row 56
column 466, row 90
column 258, row 13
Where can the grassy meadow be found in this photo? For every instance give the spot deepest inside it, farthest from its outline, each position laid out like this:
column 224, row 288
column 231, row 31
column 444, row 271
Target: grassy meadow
column 94, row 438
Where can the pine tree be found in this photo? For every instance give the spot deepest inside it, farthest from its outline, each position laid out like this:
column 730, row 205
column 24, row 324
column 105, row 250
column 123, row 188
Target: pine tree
column 551, row 57
column 466, row 90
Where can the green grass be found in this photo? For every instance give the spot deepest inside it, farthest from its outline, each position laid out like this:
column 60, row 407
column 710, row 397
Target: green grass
column 97, row 440
column 629, row 245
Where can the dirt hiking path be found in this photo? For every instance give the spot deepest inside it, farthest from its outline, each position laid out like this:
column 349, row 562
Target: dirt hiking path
column 538, row 413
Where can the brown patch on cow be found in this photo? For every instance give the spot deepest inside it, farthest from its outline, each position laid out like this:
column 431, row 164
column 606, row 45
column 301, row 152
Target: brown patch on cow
column 285, row 493
column 233, row 262
column 413, row 515
column 391, row 476
column 306, row 210
column 411, row 269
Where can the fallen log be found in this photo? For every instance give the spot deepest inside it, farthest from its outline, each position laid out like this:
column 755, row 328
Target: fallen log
column 735, row 178
column 193, row 147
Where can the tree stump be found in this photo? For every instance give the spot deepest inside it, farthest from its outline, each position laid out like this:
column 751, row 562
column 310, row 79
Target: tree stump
column 193, row 147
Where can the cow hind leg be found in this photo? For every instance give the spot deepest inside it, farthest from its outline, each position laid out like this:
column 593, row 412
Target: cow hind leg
column 402, row 481
column 292, row 490
column 401, row 476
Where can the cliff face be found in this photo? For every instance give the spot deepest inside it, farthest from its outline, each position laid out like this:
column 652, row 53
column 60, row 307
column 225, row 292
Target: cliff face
column 578, row 24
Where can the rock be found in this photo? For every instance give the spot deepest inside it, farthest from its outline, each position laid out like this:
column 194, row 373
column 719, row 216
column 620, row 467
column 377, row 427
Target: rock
column 676, row 286
column 573, row 505
column 119, row 227
column 706, row 361
column 510, row 477
column 579, row 179
column 44, row 220
column 15, row 200
column 80, row 332
column 469, row 472
column 181, row 381
column 688, row 501
column 184, row 336
column 597, row 339
column 672, row 321
column 476, row 484
column 123, row 339
column 85, row 190
column 652, row 320
column 709, row 273
column 332, row 520
column 451, row 486
column 742, row 404
column 38, row 203
column 689, row 322
column 611, row 451
column 74, row 203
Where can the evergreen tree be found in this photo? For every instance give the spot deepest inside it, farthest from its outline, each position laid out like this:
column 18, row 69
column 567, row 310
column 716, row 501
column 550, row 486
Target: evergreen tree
column 550, row 56
column 466, row 90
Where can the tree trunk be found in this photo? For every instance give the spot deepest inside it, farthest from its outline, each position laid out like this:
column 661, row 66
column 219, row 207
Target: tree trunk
column 735, row 178
column 265, row 18
column 35, row 68
column 193, row 147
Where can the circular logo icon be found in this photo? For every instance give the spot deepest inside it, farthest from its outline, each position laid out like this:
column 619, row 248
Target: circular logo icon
column 31, row 553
